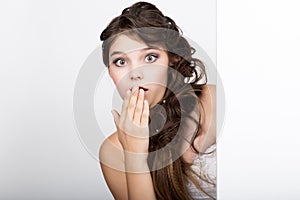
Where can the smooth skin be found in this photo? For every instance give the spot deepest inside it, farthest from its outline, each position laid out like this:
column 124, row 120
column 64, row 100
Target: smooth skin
column 133, row 134
column 114, row 156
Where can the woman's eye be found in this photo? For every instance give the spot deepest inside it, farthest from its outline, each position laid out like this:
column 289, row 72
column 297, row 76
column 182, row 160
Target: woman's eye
column 119, row 62
column 151, row 58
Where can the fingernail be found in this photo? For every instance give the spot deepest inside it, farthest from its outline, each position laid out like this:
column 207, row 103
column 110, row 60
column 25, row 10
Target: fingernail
column 141, row 91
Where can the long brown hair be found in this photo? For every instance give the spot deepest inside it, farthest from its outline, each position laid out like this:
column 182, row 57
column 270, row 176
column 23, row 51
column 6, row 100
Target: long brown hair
column 170, row 119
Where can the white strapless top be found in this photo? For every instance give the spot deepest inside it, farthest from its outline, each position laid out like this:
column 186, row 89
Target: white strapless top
column 206, row 164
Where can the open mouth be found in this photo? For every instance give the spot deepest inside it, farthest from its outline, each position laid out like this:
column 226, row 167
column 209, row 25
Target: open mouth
column 140, row 87
column 145, row 89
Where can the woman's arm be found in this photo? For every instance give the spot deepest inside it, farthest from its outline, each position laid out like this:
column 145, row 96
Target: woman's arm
column 112, row 165
column 132, row 133
column 138, row 177
column 140, row 186
column 206, row 138
column 113, row 168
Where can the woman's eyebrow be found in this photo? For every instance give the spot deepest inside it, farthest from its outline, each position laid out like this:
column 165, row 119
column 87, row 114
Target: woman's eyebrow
column 116, row 52
column 151, row 48
column 142, row 49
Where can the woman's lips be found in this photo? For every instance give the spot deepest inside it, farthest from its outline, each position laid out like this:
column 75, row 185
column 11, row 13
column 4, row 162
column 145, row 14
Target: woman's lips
column 140, row 87
column 145, row 89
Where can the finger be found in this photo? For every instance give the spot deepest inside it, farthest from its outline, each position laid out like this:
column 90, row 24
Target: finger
column 116, row 116
column 132, row 104
column 139, row 108
column 125, row 106
column 145, row 115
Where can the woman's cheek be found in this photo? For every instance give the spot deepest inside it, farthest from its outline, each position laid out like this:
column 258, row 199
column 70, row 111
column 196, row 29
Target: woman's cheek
column 121, row 85
column 161, row 76
column 116, row 76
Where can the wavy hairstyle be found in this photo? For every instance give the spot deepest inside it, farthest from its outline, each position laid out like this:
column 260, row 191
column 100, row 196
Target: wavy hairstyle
column 144, row 21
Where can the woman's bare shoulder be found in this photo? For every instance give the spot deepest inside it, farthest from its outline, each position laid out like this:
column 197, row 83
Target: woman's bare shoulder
column 112, row 165
column 113, row 138
column 111, row 152
column 208, row 122
column 209, row 92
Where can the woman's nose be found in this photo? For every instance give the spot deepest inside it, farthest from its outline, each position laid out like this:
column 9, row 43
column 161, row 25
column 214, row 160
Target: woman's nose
column 136, row 74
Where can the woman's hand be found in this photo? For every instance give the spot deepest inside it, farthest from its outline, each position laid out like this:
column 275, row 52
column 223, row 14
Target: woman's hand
column 133, row 134
column 132, row 124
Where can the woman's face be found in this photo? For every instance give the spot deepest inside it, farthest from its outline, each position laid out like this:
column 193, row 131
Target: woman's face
column 133, row 64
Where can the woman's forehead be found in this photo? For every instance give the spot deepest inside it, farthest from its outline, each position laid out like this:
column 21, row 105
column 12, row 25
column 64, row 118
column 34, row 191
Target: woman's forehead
column 125, row 44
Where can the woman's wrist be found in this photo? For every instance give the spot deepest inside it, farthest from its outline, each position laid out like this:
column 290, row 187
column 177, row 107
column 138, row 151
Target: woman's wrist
column 136, row 162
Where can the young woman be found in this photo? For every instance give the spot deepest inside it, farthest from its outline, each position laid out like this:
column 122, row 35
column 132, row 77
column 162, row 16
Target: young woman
column 164, row 145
